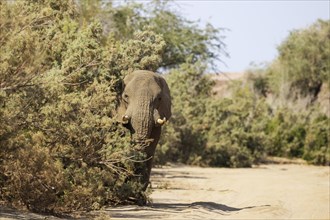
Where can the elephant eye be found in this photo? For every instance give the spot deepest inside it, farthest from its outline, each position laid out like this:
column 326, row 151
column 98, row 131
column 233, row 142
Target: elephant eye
column 158, row 98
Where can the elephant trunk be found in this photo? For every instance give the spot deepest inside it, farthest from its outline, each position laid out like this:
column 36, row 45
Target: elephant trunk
column 142, row 121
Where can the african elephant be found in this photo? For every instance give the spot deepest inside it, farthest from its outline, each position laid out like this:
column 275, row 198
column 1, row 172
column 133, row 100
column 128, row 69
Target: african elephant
column 145, row 106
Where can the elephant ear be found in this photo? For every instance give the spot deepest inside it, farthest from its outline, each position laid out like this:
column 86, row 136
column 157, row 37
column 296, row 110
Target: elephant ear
column 121, row 108
column 165, row 105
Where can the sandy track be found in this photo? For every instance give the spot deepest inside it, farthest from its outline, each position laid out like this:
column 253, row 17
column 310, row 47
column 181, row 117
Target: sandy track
column 264, row 192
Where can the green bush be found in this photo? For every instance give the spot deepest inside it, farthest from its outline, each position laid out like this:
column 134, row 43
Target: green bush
column 303, row 62
column 240, row 130
column 239, row 123
column 299, row 135
column 316, row 146
column 61, row 70
column 210, row 132
column 61, row 147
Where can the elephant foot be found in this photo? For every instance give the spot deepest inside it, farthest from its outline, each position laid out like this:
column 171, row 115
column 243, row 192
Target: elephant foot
column 140, row 199
column 145, row 186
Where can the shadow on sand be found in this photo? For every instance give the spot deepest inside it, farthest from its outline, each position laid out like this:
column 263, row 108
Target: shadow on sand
column 209, row 206
column 152, row 211
column 11, row 213
column 159, row 210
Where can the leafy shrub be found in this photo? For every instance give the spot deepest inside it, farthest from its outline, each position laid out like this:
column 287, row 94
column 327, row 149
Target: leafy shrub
column 240, row 130
column 61, row 146
column 303, row 61
column 182, row 139
column 303, row 135
column 61, row 75
column 210, row 132
column 238, row 123
column 316, row 147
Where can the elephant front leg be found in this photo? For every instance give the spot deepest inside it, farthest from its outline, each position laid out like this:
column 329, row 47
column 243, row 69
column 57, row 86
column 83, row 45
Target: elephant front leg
column 150, row 152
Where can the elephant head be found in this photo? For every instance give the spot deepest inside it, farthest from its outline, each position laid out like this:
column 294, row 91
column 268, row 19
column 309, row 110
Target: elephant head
column 145, row 106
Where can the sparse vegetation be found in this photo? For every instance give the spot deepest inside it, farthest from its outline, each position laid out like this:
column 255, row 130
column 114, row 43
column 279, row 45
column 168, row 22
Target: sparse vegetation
column 272, row 112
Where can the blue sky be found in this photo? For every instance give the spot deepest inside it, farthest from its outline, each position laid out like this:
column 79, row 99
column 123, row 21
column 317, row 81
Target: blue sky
column 256, row 28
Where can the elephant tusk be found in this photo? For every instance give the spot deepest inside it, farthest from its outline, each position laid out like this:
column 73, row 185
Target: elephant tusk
column 161, row 121
column 125, row 119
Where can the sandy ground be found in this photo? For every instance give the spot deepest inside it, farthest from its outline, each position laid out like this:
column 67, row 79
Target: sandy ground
column 264, row 192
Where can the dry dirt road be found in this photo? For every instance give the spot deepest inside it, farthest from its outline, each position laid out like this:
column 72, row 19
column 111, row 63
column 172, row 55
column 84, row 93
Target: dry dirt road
column 265, row 192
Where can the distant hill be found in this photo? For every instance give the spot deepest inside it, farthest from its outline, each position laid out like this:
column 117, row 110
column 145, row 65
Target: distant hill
column 222, row 80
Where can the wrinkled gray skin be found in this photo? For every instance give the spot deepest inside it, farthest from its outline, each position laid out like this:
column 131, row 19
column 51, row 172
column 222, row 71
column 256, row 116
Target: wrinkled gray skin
column 144, row 108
